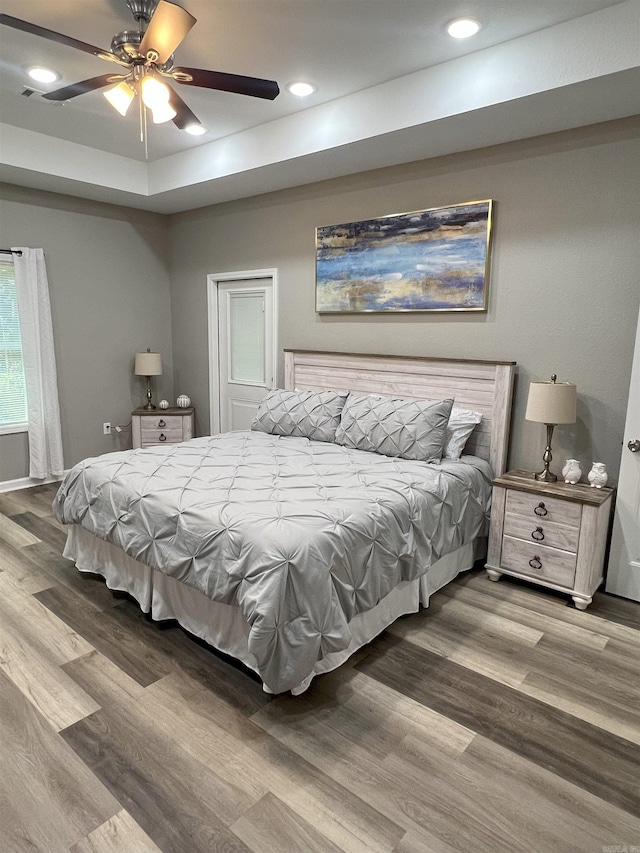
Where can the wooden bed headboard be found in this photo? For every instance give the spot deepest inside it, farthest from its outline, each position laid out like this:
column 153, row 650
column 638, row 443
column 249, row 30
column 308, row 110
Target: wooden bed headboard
column 485, row 386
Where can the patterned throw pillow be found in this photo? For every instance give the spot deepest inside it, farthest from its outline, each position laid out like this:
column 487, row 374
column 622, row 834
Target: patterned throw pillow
column 306, row 414
column 461, row 424
column 410, row 429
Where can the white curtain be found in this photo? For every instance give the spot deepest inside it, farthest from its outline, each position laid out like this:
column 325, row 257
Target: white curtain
column 34, row 310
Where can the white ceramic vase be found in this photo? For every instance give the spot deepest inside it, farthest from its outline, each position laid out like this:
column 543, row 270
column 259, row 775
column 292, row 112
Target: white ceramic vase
column 572, row 471
column 164, row 404
column 183, row 401
column 598, row 475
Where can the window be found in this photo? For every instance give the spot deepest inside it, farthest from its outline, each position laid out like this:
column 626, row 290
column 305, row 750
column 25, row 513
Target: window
column 13, row 393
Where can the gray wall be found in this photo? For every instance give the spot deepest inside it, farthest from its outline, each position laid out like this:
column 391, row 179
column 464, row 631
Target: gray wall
column 564, row 283
column 109, row 287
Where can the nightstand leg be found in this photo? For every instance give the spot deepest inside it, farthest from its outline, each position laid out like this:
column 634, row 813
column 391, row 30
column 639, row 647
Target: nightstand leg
column 581, row 603
column 493, row 575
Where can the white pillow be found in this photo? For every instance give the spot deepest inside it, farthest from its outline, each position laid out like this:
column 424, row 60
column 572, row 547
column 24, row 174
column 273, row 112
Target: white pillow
column 461, row 424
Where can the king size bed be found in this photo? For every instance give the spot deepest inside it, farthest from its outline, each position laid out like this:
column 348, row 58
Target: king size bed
column 291, row 547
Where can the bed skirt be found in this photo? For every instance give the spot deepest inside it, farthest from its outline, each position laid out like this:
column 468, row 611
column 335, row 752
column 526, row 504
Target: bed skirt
column 224, row 626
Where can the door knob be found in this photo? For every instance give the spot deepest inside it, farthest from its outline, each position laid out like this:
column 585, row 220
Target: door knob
column 634, row 445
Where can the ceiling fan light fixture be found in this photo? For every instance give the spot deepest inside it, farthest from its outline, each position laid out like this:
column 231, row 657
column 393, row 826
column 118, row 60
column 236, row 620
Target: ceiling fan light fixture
column 120, row 97
column 195, row 129
column 155, row 94
column 42, row 75
column 301, row 89
column 162, row 113
column 463, row 28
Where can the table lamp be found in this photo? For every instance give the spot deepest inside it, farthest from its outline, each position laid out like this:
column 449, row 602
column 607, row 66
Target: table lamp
column 551, row 403
column 148, row 364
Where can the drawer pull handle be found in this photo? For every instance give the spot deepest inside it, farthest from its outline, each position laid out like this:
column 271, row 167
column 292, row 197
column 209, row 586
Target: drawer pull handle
column 535, row 563
column 162, row 437
column 538, row 535
column 162, row 423
column 541, row 510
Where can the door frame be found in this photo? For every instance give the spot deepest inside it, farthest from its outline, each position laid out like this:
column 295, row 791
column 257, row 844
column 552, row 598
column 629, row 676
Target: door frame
column 213, row 280
column 623, row 569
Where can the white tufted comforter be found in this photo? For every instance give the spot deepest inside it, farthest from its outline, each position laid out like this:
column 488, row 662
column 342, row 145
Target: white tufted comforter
column 300, row 534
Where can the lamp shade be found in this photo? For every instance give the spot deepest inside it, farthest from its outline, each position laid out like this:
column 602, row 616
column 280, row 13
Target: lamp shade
column 120, row 97
column 552, row 403
column 148, row 364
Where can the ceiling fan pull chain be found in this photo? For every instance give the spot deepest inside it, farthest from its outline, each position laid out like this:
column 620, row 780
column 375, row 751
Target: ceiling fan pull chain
column 140, row 111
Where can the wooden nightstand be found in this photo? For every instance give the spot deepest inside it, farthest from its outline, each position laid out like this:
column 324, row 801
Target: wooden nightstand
column 161, row 426
column 551, row 533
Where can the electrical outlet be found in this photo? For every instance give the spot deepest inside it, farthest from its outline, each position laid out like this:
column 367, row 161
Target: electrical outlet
column 106, row 428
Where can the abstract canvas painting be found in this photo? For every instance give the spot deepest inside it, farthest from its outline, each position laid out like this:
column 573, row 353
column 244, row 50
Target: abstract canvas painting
column 429, row 260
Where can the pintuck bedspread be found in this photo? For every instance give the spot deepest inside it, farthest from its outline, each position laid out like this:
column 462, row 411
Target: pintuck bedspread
column 301, row 535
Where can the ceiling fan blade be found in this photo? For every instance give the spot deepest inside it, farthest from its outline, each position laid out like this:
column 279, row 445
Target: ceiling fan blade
column 35, row 30
column 83, row 87
column 253, row 86
column 184, row 116
column 168, row 26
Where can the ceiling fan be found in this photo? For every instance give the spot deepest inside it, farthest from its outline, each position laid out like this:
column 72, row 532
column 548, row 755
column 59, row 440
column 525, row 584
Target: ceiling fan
column 146, row 57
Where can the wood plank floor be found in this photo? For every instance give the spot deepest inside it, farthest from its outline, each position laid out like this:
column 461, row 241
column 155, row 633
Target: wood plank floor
column 500, row 720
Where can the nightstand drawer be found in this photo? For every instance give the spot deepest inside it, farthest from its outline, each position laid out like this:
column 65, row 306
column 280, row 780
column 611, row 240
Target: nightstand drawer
column 161, row 436
column 538, row 561
column 543, row 532
column 157, row 422
column 540, row 508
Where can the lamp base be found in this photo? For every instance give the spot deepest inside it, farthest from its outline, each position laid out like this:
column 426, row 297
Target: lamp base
column 545, row 477
column 149, row 407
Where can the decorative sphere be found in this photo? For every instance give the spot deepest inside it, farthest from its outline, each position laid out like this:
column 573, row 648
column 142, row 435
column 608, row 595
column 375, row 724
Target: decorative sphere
column 164, row 404
column 183, row 401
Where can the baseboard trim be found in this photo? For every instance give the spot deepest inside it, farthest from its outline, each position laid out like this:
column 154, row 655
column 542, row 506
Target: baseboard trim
column 26, row 483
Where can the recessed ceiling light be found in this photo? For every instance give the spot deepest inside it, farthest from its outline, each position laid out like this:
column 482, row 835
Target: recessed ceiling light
column 42, row 75
column 195, row 129
column 301, row 90
column 462, row 28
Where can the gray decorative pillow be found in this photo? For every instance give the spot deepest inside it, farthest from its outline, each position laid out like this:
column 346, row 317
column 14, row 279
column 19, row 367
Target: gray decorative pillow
column 306, row 414
column 410, row 429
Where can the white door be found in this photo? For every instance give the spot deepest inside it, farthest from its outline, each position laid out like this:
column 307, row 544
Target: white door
column 623, row 577
column 245, row 349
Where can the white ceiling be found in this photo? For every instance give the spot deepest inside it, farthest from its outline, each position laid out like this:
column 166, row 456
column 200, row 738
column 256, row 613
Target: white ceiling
column 392, row 86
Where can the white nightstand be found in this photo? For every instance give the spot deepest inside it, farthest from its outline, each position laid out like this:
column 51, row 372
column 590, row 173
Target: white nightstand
column 161, row 426
column 553, row 534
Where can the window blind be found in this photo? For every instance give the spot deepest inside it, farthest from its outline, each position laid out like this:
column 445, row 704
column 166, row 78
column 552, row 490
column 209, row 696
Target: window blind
column 13, row 396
